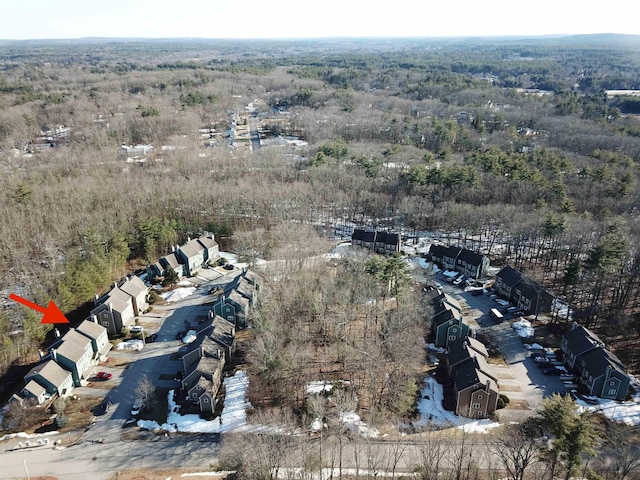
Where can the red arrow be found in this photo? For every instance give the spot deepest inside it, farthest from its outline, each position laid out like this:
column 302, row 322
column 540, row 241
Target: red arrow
column 52, row 313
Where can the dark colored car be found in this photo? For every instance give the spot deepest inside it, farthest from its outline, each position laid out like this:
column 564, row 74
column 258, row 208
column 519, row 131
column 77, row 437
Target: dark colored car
column 213, row 290
column 228, row 266
column 544, row 365
column 104, row 407
column 129, row 422
column 551, row 371
column 103, row 376
column 151, row 338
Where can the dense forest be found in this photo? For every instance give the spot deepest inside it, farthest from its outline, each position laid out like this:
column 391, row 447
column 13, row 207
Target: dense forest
column 515, row 147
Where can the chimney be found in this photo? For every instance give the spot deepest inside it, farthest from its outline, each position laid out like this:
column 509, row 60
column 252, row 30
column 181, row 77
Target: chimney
column 41, row 354
column 188, row 239
column 96, row 297
column 115, row 284
column 173, row 248
column 94, row 318
column 56, row 332
column 54, row 355
column 488, row 386
column 110, row 307
column 211, row 314
column 233, row 331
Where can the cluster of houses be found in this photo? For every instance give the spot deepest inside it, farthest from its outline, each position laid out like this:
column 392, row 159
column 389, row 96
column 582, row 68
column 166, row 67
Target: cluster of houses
column 600, row 372
column 384, row 243
column 68, row 363
column 467, row 262
column 475, row 385
column 522, row 292
column 187, row 259
column 116, row 310
column 205, row 359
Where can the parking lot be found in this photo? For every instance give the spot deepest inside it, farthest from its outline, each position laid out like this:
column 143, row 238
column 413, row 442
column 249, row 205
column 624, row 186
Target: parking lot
column 520, row 379
column 159, row 360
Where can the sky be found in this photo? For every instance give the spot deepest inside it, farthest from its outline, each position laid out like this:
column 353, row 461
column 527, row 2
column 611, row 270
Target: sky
column 55, row 19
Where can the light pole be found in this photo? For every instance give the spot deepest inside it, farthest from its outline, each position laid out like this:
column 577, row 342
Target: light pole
column 25, row 469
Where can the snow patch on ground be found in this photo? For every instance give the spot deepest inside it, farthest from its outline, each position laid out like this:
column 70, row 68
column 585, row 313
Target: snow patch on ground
column 432, row 412
column 356, row 425
column 621, row 412
column 234, row 412
column 221, row 473
column 319, row 387
column 178, row 294
column 26, row 436
column 523, row 328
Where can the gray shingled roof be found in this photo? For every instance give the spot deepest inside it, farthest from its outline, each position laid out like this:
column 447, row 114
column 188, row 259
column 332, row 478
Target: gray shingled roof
column 91, row 329
column 76, row 337
column 252, row 277
column 171, row 260
column 470, row 257
column 35, row 388
column 50, row 371
column 207, row 242
column 192, row 248
column 133, row 286
column 239, row 299
column 580, row 340
column 509, row 275
column 468, row 373
column 599, row 359
column 74, row 345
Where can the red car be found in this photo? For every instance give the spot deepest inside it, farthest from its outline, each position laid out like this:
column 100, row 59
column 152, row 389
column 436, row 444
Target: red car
column 103, row 376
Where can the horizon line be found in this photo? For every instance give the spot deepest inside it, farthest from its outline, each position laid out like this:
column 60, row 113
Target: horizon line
column 319, row 38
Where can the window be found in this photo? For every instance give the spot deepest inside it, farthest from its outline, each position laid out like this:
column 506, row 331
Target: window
column 194, row 395
column 206, row 400
column 612, row 383
column 476, row 405
column 479, row 397
column 480, row 414
column 612, row 391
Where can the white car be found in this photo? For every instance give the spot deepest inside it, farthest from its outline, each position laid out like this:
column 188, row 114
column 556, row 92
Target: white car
column 137, row 406
column 189, row 337
column 136, row 329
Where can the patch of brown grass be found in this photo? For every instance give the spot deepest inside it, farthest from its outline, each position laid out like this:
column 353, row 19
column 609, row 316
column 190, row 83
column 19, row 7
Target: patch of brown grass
column 160, row 474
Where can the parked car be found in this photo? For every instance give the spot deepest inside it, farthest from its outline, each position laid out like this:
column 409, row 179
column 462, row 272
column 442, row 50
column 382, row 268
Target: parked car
column 103, row 376
column 129, row 422
column 137, row 407
column 477, row 292
column 228, row 266
column 213, row 290
column 189, row 337
column 151, row 338
column 104, row 407
column 136, row 329
column 545, row 365
column 551, row 371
